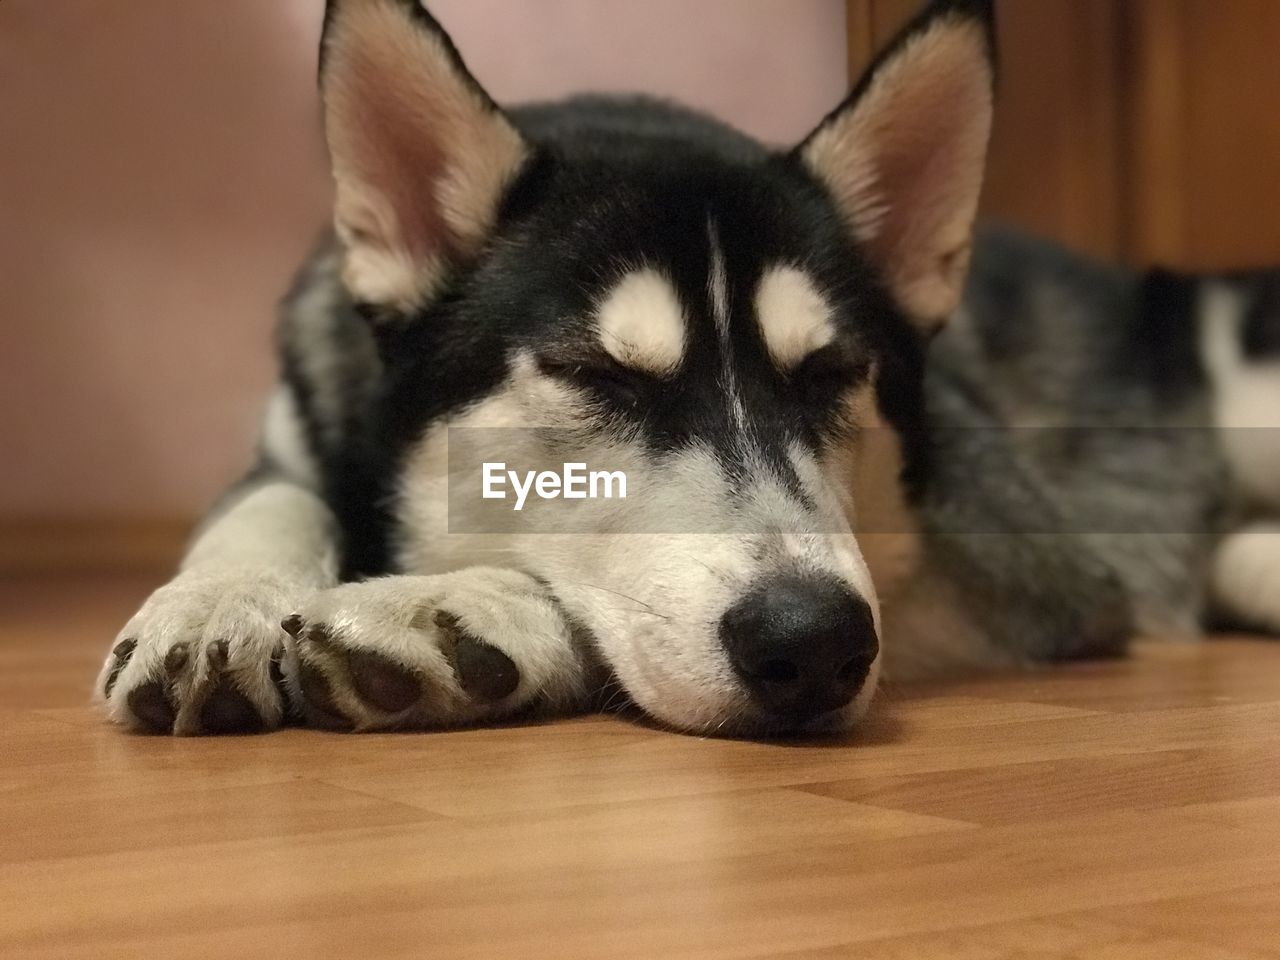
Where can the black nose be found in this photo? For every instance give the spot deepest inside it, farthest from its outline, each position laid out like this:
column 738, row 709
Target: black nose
column 802, row 645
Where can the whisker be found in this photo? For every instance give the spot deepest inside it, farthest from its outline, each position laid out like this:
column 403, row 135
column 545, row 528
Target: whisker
column 647, row 607
column 718, row 574
column 616, row 694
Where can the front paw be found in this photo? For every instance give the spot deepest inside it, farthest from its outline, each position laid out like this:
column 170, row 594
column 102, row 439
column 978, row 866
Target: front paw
column 205, row 655
column 419, row 652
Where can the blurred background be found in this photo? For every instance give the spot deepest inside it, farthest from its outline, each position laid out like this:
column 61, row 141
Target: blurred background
column 162, row 173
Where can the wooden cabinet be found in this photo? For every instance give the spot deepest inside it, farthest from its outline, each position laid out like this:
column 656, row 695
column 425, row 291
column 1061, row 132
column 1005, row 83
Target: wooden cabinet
column 1144, row 130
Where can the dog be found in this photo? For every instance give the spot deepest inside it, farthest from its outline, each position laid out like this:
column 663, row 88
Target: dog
column 845, row 454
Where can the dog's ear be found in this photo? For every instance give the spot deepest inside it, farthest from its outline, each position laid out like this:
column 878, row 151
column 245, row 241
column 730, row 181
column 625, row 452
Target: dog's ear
column 904, row 155
column 421, row 155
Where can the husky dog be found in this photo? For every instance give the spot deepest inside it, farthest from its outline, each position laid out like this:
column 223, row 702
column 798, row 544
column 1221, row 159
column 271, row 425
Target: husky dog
column 623, row 282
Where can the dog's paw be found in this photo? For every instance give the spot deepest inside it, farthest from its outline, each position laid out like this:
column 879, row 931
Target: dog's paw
column 1246, row 577
column 422, row 652
column 205, row 655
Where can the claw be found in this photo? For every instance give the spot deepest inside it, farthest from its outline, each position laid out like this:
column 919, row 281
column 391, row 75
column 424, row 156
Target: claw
column 123, row 652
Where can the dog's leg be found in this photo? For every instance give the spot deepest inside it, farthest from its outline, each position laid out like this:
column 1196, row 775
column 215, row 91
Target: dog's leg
column 1246, row 576
column 421, row 652
column 206, row 653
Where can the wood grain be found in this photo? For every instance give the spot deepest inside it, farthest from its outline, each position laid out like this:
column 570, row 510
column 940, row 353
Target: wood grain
column 1157, row 137
column 1121, row 810
column 1232, row 144
column 62, row 545
column 1138, row 130
column 860, row 26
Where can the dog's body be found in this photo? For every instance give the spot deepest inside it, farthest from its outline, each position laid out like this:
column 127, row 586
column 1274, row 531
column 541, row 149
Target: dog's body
column 635, row 284
column 1080, row 488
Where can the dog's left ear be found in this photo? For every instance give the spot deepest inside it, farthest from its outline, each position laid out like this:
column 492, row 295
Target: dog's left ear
column 422, row 156
column 904, row 155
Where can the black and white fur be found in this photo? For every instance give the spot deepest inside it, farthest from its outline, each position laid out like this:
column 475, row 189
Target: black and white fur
column 747, row 328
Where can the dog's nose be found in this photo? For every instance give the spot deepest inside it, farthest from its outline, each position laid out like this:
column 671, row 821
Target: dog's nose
column 802, row 645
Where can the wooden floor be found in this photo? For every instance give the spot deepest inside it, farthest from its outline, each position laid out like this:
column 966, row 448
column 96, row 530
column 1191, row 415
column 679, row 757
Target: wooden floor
column 1125, row 810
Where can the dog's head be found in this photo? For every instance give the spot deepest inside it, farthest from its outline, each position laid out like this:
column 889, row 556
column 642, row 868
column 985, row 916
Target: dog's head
column 717, row 320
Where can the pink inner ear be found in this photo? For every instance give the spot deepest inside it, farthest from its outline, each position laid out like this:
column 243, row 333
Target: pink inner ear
column 385, row 121
column 390, row 146
column 905, row 163
column 421, row 159
column 930, row 139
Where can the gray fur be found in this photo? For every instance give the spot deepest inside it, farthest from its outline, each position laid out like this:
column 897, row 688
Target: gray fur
column 1072, row 502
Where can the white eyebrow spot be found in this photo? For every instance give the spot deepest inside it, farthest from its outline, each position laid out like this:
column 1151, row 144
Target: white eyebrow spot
column 794, row 317
column 641, row 323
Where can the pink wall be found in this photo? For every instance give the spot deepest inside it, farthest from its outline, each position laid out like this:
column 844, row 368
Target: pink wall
column 161, row 175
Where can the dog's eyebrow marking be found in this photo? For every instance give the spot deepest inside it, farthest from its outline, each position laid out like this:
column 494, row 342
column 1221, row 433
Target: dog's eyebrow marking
column 641, row 323
column 795, row 319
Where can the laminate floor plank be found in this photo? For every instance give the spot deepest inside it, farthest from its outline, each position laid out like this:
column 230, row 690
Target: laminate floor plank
column 1123, row 810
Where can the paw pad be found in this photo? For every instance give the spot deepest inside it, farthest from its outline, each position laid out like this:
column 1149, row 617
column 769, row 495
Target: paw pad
column 198, row 656
column 227, row 710
column 219, row 655
column 176, row 659
column 321, row 711
column 483, row 671
column 387, row 685
column 150, row 704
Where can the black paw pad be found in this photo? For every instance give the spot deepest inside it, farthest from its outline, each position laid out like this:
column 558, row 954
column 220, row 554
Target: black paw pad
column 385, row 684
column 123, row 653
column 484, row 671
column 293, row 625
column 321, row 711
column 319, row 634
column 177, row 658
column 150, row 704
column 219, row 655
column 227, row 710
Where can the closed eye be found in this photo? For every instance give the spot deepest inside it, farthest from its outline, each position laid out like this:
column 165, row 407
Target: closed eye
column 828, row 372
column 604, row 377
column 819, row 389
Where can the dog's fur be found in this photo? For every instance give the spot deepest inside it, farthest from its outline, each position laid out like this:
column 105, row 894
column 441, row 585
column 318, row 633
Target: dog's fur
column 634, row 285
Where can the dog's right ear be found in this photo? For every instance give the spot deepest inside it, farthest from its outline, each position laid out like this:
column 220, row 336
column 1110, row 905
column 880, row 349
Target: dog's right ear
column 421, row 155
